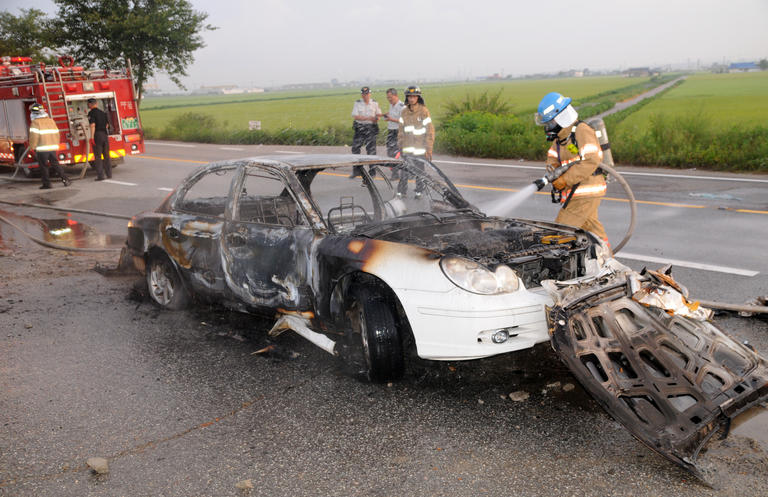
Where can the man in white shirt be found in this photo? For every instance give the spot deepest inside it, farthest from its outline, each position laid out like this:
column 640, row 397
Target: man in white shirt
column 366, row 113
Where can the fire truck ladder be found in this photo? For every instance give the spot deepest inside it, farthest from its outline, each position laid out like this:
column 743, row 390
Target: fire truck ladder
column 56, row 99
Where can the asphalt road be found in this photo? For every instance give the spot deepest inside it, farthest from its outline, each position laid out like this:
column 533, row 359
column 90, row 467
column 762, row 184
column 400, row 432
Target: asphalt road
column 180, row 405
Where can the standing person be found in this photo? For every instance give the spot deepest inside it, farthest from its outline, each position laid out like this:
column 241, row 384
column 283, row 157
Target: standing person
column 582, row 186
column 393, row 125
column 44, row 140
column 416, row 136
column 98, row 120
column 366, row 113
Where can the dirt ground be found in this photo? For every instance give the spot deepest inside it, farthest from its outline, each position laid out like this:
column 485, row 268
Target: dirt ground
column 186, row 404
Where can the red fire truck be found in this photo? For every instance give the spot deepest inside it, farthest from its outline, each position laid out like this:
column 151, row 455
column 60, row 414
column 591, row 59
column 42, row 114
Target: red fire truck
column 64, row 90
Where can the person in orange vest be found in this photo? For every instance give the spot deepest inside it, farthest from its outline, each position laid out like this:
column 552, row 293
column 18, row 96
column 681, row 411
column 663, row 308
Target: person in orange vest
column 44, row 140
column 581, row 188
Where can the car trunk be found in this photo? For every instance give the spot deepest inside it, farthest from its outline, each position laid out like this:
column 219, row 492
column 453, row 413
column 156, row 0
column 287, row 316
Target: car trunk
column 653, row 360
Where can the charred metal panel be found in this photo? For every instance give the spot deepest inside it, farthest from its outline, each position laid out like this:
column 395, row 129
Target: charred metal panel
column 671, row 380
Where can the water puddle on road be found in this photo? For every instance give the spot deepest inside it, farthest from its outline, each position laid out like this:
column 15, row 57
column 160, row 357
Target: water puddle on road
column 65, row 232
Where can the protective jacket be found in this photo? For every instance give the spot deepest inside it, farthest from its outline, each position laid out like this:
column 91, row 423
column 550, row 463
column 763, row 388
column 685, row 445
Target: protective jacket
column 43, row 135
column 579, row 143
column 416, row 134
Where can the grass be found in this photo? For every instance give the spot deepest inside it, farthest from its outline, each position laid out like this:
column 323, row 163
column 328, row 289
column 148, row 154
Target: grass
column 728, row 99
column 330, row 108
column 714, row 121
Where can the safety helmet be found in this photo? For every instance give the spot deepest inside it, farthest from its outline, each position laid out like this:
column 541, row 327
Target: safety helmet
column 414, row 90
column 554, row 113
column 36, row 111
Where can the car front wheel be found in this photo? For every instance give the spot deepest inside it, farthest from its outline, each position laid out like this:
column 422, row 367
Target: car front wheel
column 165, row 286
column 375, row 347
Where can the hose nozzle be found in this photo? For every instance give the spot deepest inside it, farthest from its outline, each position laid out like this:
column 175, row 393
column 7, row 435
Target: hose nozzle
column 541, row 182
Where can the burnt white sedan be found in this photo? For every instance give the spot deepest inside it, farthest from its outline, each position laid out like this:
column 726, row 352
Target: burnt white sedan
column 338, row 253
column 368, row 268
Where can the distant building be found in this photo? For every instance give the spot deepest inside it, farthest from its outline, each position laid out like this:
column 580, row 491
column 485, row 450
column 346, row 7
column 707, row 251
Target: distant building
column 638, row 72
column 743, row 67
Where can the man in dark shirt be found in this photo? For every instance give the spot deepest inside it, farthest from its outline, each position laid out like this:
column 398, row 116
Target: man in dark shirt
column 98, row 120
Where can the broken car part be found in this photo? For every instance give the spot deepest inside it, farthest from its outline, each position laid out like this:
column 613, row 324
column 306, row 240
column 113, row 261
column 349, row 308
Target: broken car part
column 652, row 360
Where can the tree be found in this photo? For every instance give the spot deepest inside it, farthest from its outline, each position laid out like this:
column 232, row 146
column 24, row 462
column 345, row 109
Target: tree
column 153, row 34
column 28, row 35
column 764, row 64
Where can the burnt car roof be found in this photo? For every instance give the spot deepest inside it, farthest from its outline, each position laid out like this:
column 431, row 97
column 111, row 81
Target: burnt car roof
column 311, row 161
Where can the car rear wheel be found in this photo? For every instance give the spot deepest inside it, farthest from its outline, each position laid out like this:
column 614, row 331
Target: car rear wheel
column 375, row 348
column 164, row 283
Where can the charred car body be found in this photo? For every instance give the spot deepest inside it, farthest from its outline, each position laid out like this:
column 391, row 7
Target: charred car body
column 327, row 246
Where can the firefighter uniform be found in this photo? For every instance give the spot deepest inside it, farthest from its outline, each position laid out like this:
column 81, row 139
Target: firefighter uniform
column 416, row 136
column 583, row 185
column 44, row 140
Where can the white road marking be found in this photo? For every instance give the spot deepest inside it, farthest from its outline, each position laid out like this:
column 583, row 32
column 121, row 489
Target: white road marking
column 623, row 173
column 115, row 182
column 165, row 189
column 236, row 149
column 182, row 145
column 692, row 265
column 288, row 152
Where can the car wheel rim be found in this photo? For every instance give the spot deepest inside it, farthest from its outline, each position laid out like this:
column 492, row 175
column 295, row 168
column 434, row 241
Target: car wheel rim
column 161, row 286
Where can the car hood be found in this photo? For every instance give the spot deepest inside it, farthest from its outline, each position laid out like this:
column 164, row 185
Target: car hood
column 652, row 358
column 535, row 250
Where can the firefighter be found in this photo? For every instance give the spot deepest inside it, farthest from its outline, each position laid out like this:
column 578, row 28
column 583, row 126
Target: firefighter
column 416, row 136
column 582, row 186
column 44, row 140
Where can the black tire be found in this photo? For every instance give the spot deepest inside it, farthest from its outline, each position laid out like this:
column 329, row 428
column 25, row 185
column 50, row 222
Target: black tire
column 374, row 345
column 164, row 284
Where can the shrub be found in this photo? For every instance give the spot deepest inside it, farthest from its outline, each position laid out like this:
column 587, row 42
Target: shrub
column 482, row 103
column 483, row 134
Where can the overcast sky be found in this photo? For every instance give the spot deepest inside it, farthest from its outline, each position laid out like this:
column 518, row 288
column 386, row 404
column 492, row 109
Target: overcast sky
column 273, row 42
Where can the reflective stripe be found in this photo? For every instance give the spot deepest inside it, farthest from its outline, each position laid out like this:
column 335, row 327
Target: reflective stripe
column 590, row 190
column 414, row 151
column 408, row 129
column 548, row 110
column 47, row 148
column 589, row 148
column 401, row 120
column 420, row 131
column 426, row 121
column 43, row 131
column 552, row 153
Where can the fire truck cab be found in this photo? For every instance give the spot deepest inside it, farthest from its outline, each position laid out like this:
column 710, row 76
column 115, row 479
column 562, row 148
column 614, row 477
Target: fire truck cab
column 64, row 91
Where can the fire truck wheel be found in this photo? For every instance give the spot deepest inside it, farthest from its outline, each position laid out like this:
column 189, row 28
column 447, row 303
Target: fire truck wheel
column 164, row 283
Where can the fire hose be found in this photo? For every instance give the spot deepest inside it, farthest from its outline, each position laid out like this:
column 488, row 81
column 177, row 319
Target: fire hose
column 559, row 171
column 20, row 166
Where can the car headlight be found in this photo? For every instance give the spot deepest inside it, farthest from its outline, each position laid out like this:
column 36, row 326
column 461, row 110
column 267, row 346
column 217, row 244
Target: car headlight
column 476, row 278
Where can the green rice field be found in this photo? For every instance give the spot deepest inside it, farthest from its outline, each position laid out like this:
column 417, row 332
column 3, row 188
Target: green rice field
column 331, row 107
column 725, row 99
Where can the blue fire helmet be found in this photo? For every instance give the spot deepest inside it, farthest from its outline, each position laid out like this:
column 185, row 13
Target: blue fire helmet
column 551, row 105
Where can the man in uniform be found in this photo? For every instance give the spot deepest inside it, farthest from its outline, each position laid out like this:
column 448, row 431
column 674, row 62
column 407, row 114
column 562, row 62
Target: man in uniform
column 393, row 124
column 44, row 140
column 366, row 113
column 582, row 186
column 98, row 120
column 416, row 136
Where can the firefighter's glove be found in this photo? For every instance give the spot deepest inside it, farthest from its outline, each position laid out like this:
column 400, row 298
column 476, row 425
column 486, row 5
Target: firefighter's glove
column 559, row 184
